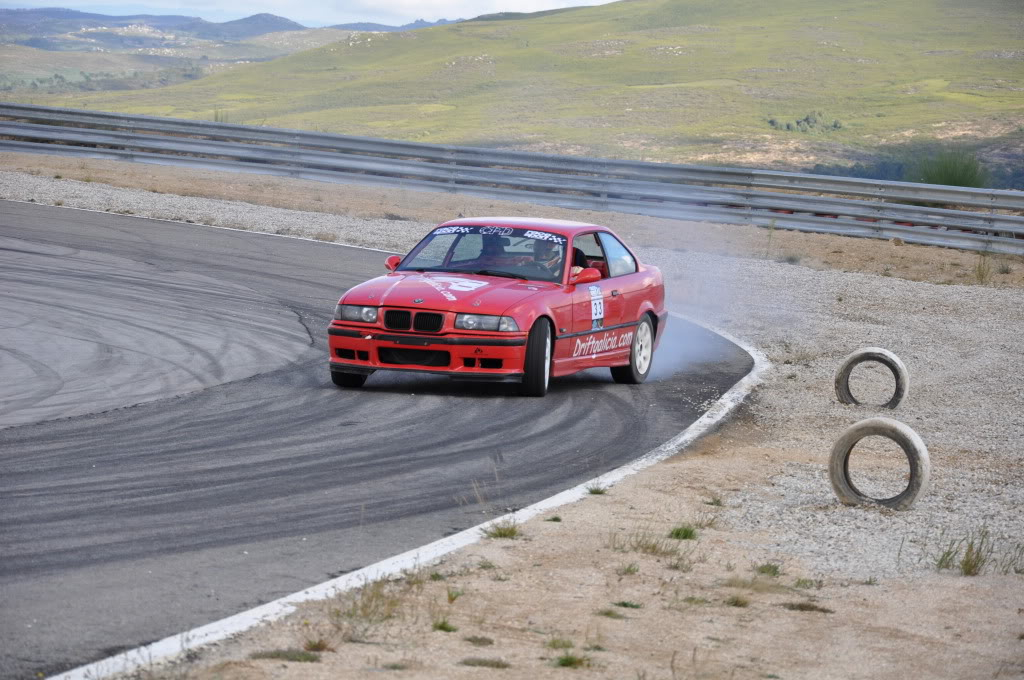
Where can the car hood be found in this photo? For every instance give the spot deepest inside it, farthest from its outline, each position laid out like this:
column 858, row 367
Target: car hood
column 444, row 291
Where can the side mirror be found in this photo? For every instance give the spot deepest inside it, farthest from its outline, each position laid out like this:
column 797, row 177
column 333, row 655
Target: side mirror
column 392, row 262
column 588, row 275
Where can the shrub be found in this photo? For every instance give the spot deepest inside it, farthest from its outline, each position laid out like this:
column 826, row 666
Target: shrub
column 957, row 168
column 686, row 532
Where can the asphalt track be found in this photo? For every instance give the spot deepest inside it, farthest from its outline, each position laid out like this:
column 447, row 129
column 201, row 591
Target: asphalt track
column 175, row 452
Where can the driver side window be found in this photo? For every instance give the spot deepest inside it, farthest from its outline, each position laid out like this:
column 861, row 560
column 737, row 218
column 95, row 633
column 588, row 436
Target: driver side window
column 587, row 252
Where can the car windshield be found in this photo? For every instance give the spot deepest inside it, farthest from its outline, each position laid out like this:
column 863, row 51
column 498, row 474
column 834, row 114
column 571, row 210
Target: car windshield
column 511, row 252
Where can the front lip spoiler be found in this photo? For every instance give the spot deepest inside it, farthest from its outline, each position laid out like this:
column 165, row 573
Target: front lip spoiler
column 337, row 367
column 424, row 340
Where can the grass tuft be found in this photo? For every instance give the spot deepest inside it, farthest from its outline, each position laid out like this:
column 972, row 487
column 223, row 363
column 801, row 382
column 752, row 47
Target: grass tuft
column 948, row 557
column 318, row 645
column 806, row 583
column 983, row 269
column 628, row 569
column 1012, row 562
column 737, row 601
column 627, row 604
column 359, row 611
column 642, row 541
column 553, row 518
column 559, row 643
column 977, row 554
column 504, row 529
column 610, row 614
column 479, row 640
column 772, row 569
column 596, row 489
column 686, row 532
column 444, row 626
column 572, row 661
column 806, row 607
column 453, row 594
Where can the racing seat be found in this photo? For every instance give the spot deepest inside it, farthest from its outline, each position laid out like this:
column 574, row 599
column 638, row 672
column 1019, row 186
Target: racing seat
column 579, row 258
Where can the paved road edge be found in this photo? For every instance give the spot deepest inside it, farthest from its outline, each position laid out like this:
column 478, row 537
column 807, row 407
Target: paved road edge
column 172, row 646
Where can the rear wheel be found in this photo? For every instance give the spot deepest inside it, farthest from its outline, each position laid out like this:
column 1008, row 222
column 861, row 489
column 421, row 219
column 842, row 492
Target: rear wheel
column 348, row 379
column 640, row 355
column 537, row 367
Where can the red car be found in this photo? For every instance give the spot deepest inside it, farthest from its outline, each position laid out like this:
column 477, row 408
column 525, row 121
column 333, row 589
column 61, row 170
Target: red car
column 507, row 299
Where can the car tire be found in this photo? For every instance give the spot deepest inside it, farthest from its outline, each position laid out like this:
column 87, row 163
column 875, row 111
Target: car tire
column 908, row 440
column 882, row 356
column 537, row 365
column 348, row 379
column 641, row 354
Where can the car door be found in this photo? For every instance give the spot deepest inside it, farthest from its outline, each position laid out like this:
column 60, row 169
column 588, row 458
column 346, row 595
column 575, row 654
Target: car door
column 630, row 284
column 596, row 308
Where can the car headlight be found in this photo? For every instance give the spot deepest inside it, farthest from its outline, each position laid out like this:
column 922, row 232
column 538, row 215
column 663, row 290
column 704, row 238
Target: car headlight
column 484, row 322
column 356, row 313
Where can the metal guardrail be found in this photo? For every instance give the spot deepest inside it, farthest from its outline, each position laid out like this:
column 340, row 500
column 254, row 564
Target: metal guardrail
column 917, row 213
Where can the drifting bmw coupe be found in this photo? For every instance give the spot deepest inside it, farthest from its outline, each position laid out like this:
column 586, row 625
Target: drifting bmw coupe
column 505, row 299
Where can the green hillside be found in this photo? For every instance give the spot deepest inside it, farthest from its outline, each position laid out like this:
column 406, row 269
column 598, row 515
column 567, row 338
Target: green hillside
column 686, row 80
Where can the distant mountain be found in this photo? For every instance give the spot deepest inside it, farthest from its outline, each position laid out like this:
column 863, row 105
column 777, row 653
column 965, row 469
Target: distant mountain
column 38, row 24
column 239, row 29
column 419, row 23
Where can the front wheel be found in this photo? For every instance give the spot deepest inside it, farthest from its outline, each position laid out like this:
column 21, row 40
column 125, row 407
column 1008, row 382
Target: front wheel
column 348, row 379
column 537, row 367
column 640, row 355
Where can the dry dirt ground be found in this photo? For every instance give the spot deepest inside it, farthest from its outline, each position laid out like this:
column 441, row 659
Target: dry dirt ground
column 600, row 589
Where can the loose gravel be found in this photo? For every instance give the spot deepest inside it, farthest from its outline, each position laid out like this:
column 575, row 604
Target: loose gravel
column 961, row 344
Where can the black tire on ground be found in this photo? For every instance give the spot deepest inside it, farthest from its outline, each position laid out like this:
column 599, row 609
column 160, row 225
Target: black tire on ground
column 537, row 366
column 641, row 354
column 909, row 441
column 882, row 356
column 348, row 379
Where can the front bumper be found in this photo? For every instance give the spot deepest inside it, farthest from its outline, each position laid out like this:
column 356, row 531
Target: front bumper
column 487, row 357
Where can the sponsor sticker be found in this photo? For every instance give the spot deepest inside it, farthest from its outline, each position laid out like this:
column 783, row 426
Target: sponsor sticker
column 459, row 284
column 543, row 236
column 596, row 307
column 602, row 342
column 440, row 288
column 500, row 231
column 453, row 230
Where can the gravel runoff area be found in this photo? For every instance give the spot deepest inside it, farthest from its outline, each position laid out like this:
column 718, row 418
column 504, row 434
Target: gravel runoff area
column 770, row 531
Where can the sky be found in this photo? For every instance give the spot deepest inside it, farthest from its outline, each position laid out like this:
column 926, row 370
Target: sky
column 326, row 13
